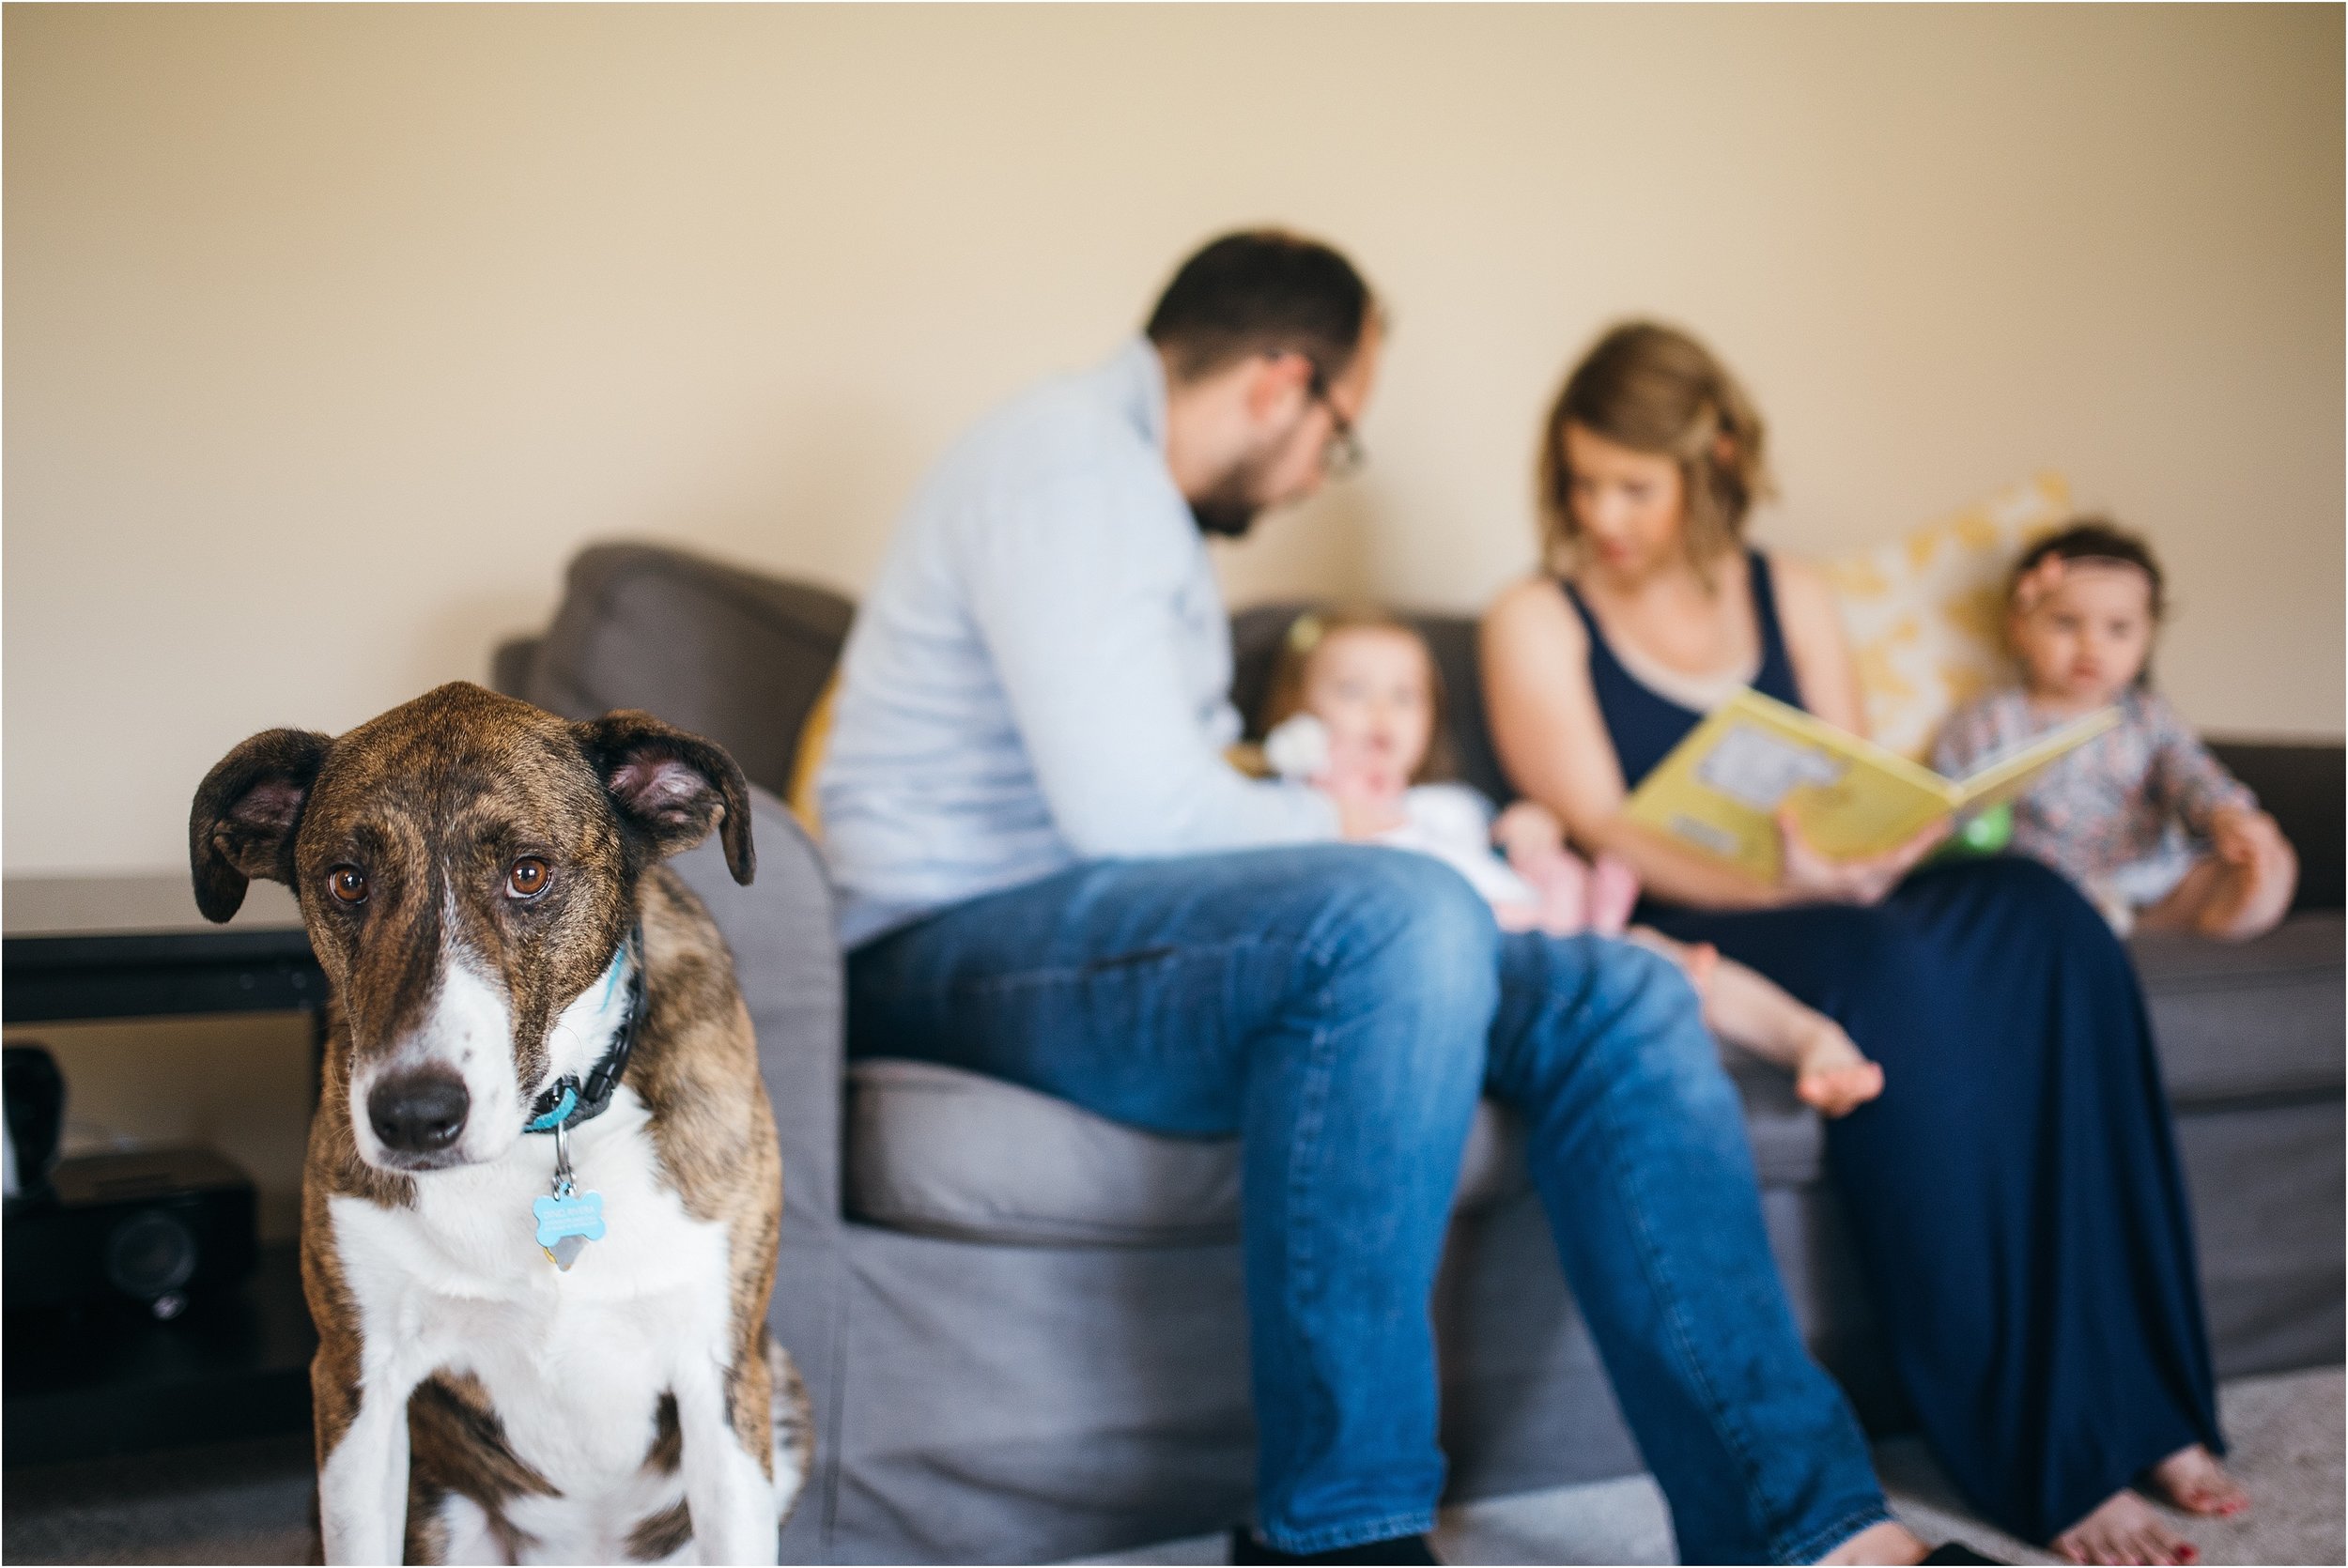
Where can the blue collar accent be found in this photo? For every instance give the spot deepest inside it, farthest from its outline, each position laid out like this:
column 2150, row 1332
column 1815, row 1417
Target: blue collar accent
column 567, row 1101
column 561, row 1113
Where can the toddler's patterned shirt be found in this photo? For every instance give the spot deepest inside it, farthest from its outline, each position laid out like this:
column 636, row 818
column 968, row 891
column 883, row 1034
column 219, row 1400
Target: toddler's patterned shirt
column 2126, row 815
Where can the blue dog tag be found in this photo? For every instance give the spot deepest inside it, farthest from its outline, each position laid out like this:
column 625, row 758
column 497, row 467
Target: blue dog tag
column 568, row 1223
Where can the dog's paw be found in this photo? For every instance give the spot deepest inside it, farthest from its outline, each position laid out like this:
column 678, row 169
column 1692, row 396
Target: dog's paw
column 794, row 1429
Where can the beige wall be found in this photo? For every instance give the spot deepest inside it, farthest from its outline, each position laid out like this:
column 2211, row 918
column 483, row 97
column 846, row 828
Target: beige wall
column 331, row 333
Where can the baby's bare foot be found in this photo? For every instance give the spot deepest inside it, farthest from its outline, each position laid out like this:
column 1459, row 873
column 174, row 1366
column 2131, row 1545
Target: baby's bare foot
column 2194, row 1480
column 2124, row 1529
column 1833, row 1077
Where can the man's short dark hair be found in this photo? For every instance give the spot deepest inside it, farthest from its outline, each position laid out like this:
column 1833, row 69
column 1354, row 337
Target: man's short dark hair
column 1261, row 291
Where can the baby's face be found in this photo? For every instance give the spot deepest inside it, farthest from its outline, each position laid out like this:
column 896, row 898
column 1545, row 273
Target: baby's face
column 1371, row 688
column 2084, row 641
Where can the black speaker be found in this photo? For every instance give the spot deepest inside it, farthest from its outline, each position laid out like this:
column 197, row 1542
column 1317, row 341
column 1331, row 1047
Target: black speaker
column 33, row 1092
column 156, row 1226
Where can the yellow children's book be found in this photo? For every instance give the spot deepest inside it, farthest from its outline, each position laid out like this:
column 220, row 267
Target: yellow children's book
column 1720, row 790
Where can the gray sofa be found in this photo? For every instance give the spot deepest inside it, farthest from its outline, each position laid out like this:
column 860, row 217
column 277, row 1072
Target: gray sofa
column 1022, row 1324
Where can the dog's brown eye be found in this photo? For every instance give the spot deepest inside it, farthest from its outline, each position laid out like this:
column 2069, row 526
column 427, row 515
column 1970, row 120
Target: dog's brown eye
column 528, row 879
column 349, row 883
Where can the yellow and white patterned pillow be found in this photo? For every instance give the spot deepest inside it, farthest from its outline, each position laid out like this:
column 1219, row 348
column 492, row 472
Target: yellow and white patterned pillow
column 1926, row 614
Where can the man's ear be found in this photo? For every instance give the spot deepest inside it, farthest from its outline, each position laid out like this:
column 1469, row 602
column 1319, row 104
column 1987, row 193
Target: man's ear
column 1277, row 380
column 245, row 813
column 671, row 786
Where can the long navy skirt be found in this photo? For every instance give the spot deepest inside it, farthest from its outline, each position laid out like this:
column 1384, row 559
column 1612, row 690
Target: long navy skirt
column 2015, row 1192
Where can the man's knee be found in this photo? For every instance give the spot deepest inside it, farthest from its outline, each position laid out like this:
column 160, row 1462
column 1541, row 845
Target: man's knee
column 1649, row 1027
column 1412, row 905
column 1406, row 924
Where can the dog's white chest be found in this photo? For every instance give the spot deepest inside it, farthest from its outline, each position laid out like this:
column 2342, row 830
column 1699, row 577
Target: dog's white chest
column 574, row 1363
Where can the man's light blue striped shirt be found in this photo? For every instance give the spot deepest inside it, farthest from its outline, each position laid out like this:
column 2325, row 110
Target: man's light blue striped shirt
column 1040, row 675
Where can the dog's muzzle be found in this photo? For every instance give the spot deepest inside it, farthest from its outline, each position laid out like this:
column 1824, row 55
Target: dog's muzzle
column 418, row 1113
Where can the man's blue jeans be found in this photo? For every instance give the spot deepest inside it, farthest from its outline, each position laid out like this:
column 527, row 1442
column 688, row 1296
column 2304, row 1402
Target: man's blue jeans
column 1342, row 1007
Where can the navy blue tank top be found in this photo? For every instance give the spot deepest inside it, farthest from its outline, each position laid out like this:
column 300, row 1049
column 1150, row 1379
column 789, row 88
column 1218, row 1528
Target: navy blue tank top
column 1645, row 723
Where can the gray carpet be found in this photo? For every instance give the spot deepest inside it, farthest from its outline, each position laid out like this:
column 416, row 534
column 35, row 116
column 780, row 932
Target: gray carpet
column 234, row 1503
column 250, row 1503
column 2288, row 1437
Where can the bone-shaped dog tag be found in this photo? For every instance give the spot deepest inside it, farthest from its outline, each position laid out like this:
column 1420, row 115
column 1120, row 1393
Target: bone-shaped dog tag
column 567, row 1224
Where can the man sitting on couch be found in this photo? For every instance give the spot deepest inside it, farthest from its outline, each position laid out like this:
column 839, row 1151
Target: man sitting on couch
column 1051, row 875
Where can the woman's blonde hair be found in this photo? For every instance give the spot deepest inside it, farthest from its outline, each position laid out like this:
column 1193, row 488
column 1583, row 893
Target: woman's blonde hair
column 1284, row 696
column 1656, row 389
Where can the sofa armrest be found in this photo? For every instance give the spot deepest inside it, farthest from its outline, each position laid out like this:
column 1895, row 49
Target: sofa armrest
column 734, row 656
column 513, row 664
column 786, row 959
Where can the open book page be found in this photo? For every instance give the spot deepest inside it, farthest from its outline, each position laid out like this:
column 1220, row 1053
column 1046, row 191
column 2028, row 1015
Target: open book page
column 2004, row 773
column 1721, row 788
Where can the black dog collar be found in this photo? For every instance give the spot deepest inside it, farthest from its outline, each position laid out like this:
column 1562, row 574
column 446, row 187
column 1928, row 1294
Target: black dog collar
column 567, row 1101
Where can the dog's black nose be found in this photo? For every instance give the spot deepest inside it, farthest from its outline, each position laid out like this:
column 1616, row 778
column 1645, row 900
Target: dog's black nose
column 418, row 1113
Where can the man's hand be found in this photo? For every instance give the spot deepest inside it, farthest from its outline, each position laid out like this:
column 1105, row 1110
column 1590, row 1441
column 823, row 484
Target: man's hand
column 1529, row 836
column 1808, row 877
column 1364, row 809
column 1367, row 792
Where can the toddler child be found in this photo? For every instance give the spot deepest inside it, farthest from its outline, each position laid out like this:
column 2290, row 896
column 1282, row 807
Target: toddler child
column 2143, row 819
column 1355, row 707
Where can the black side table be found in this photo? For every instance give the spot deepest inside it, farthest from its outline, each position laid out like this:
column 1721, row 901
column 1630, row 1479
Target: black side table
column 98, row 1383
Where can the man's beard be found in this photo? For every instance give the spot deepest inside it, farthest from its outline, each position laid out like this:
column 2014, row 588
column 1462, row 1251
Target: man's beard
column 1224, row 517
column 1231, row 505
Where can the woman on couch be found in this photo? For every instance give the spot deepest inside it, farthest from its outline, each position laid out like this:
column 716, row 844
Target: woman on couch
column 2015, row 1192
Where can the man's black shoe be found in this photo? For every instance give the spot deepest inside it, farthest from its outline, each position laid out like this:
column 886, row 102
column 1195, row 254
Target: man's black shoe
column 1411, row 1551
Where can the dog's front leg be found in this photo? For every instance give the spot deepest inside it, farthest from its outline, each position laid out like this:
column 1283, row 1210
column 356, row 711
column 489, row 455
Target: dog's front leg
column 362, row 1483
column 735, row 1515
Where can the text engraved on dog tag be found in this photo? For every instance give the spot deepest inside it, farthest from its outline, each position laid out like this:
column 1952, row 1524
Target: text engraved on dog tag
column 567, row 1224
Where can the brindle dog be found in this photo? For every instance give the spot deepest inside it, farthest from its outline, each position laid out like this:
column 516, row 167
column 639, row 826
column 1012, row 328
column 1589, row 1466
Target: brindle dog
column 505, row 954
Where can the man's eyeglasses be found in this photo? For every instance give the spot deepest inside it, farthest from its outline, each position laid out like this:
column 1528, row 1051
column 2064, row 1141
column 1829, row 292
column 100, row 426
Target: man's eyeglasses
column 1344, row 453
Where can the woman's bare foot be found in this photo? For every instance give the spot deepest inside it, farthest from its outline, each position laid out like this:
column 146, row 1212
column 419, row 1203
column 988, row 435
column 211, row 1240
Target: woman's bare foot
column 2192, row 1479
column 1888, row 1542
column 2124, row 1529
column 1831, row 1075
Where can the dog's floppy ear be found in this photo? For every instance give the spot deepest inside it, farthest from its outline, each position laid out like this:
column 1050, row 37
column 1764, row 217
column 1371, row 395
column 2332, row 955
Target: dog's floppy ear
column 245, row 812
column 672, row 786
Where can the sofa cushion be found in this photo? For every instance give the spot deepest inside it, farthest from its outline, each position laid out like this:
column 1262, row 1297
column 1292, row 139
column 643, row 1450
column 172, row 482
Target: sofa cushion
column 1788, row 1137
column 734, row 656
column 944, row 1152
column 949, row 1153
column 2250, row 1021
column 1925, row 613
